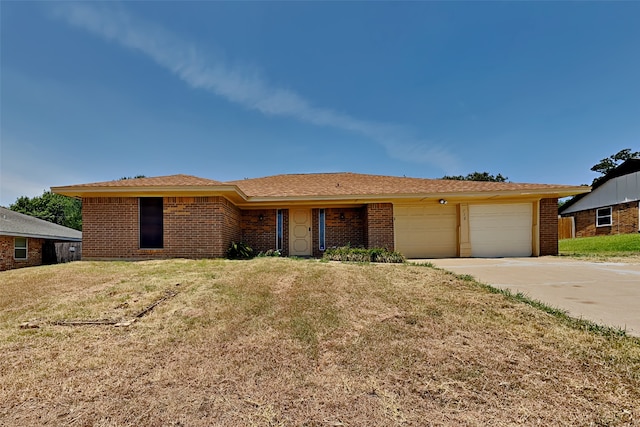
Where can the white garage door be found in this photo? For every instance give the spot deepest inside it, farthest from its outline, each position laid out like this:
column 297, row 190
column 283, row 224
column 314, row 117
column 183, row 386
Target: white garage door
column 426, row 232
column 500, row 230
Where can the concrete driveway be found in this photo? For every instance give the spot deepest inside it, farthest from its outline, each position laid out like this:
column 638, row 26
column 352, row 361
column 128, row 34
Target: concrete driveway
column 605, row 293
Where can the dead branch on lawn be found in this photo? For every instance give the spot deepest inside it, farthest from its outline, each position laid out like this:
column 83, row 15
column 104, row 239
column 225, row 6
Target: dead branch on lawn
column 83, row 322
column 168, row 294
column 116, row 323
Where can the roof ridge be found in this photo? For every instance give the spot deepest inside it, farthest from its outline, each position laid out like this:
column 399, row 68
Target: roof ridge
column 326, row 173
column 131, row 182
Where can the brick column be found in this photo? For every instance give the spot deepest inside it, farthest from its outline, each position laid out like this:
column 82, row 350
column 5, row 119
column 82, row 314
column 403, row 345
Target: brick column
column 379, row 226
column 549, row 226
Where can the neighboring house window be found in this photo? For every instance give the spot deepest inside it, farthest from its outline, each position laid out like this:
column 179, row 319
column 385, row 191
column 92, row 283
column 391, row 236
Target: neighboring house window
column 603, row 217
column 151, row 223
column 321, row 221
column 279, row 222
column 20, row 248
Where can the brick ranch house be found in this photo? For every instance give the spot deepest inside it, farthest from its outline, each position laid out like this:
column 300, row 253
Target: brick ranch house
column 302, row 214
column 612, row 207
column 26, row 241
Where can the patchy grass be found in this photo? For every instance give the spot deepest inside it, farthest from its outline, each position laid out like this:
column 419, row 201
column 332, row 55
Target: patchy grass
column 276, row 341
column 617, row 246
column 349, row 254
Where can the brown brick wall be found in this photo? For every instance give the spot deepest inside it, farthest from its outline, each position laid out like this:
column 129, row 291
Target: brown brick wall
column 194, row 227
column 549, row 226
column 624, row 217
column 261, row 235
column 257, row 233
column 227, row 226
column 109, row 227
column 378, row 232
column 348, row 230
column 7, row 260
column 198, row 227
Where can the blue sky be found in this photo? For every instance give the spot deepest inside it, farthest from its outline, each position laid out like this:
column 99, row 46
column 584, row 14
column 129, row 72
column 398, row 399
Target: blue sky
column 536, row 91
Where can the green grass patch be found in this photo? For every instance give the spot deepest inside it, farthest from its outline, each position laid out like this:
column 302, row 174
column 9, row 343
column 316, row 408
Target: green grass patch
column 620, row 244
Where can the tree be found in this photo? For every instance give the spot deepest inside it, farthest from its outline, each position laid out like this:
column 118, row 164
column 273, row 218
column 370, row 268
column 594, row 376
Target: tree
column 477, row 176
column 608, row 164
column 51, row 207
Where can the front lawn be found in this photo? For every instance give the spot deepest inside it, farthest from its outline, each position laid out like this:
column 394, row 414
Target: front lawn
column 616, row 245
column 276, row 341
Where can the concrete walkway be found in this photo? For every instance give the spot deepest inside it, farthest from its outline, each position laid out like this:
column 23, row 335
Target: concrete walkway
column 605, row 293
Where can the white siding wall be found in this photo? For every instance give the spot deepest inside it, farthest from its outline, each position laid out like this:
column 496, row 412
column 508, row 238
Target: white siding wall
column 617, row 190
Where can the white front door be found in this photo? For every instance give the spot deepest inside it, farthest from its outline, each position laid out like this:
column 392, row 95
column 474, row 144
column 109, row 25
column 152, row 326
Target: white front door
column 300, row 232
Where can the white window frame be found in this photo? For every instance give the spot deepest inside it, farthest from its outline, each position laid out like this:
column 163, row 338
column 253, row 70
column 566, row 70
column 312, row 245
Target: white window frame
column 25, row 248
column 600, row 215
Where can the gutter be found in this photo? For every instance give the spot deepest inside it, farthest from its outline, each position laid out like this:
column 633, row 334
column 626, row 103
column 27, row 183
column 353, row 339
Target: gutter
column 40, row 236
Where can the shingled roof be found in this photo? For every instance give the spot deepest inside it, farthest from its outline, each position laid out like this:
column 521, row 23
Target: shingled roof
column 326, row 186
column 21, row 225
column 353, row 184
column 158, row 181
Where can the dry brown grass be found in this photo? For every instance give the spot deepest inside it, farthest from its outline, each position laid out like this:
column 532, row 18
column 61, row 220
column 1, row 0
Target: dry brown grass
column 628, row 258
column 286, row 342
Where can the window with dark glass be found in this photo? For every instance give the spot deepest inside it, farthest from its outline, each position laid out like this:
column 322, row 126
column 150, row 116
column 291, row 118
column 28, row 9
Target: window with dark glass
column 279, row 222
column 321, row 221
column 20, row 248
column 151, row 223
column 604, row 217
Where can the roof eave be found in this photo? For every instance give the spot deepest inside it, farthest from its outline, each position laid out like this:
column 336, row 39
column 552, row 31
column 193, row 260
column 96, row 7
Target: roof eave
column 141, row 191
column 40, row 236
column 362, row 198
column 235, row 194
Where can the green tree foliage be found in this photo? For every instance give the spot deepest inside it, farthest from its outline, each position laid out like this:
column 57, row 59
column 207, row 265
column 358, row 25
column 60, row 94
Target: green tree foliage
column 477, row 176
column 51, row 207
column 608, row 164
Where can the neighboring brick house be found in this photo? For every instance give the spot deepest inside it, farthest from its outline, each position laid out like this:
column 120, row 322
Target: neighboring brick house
column 612, row 207
column 303, row 214
column 26, row 241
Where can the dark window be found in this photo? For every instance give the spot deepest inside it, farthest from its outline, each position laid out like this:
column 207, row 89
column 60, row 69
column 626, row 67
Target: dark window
column 151, row 223
column 321, row 220
column 604, row 217
column 279, row 230
column 20, row 248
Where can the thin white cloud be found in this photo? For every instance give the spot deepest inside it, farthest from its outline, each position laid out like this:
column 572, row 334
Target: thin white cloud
column 13, row 186
column 239, row 85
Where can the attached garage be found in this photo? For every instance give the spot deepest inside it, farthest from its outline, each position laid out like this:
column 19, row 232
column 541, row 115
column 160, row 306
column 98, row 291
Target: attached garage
column 426, row 231
column 501, row 230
